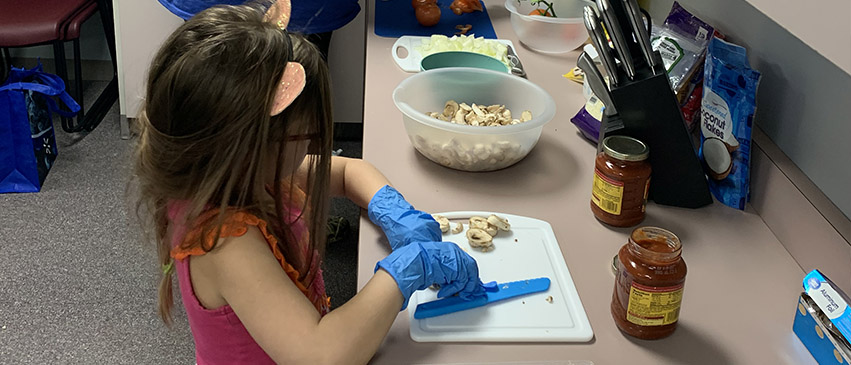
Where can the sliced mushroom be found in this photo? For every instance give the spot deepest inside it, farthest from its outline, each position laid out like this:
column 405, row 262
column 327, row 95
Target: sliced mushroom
column 458, row 229
column 493, row 115
column 450, row 108
column 443, row 221
column 499, row 222
column 470, row 118
column 478, row 110
column 459, row 117
column 492, row 230
column 480, row 151
column 482, row 223
column 478, row 222
column 525, row 116
column 479, row 238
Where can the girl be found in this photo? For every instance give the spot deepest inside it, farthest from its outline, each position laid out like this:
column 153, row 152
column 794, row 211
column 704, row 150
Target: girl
column 238, row 205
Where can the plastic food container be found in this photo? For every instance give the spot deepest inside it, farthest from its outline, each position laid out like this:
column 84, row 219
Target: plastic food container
column 547, row 34
column 466, row 147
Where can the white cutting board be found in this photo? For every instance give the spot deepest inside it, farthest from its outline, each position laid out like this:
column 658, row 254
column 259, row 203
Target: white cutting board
column 411, row 63
column 529, row 250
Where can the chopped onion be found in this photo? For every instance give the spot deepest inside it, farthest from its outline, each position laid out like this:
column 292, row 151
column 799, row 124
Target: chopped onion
column 468, row 43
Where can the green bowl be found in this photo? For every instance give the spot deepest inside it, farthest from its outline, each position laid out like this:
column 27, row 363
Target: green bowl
column 462, row 59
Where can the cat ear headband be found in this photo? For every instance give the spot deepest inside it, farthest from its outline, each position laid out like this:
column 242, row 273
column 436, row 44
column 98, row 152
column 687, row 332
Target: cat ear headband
column 293, row 80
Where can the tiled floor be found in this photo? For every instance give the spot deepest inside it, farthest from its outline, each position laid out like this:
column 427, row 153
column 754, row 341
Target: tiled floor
column 77, row 280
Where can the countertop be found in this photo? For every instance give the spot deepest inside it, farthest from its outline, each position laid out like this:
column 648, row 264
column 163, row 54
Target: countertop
column 742, row 285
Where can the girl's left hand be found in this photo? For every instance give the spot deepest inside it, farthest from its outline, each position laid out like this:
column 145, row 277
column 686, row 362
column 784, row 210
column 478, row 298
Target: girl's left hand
column 400, row 221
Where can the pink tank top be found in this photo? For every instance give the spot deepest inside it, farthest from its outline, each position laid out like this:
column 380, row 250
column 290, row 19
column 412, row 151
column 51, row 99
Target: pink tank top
column 220, row 337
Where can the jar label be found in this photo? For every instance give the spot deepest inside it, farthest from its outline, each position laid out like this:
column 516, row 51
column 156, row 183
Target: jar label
column 654, row 306
column 607, row 193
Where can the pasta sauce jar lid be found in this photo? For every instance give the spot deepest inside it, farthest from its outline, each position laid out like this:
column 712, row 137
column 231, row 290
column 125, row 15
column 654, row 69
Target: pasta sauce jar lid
column 625, row 148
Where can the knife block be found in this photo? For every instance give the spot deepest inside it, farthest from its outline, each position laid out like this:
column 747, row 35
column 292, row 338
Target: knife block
column 648, row 110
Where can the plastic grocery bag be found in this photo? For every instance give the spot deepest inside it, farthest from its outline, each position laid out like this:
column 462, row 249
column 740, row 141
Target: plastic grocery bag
column 27, row 138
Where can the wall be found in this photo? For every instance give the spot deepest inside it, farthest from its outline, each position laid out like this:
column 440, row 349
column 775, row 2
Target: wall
column 803, row 98
column 143, row 25
column 825, row 27
column 346, row 60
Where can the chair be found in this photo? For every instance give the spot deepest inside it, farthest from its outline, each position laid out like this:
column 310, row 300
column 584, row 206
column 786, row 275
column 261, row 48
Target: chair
column 25, row 23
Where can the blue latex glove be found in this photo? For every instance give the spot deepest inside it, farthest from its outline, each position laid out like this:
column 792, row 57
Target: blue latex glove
column 420, row 264
column 400, row 221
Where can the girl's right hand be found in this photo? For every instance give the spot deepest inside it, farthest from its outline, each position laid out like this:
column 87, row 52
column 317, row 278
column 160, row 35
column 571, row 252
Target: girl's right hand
column 418, row 265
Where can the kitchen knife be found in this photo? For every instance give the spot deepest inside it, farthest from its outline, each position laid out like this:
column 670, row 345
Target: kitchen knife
column 610, row 20
column 595, row 79
column 514, row 61
column 641, row 33
column 595, row 31
column 503, row 291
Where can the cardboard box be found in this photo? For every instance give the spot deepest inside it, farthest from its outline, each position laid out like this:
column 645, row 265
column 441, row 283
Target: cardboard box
column 823, row 320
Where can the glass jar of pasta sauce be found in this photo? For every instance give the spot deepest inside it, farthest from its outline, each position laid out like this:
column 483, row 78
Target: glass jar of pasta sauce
column 649, row 284
column 621, row 181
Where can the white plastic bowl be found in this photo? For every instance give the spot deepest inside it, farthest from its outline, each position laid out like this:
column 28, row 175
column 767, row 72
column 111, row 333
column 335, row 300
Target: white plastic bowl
column 547, row 34
column 465, row 147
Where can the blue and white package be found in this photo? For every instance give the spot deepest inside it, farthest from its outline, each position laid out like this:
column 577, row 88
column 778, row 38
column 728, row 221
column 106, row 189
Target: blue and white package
column 726, row 119
column 831, row 300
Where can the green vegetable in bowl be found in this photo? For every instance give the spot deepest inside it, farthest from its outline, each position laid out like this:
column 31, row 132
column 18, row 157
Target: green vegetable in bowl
column 441, row 43
column 546, row 11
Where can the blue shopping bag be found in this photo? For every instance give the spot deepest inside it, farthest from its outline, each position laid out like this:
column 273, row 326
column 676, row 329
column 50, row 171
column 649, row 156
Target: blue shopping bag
column 27, row 137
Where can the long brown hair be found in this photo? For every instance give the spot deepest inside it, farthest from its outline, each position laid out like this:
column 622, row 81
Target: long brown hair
column 206, row 136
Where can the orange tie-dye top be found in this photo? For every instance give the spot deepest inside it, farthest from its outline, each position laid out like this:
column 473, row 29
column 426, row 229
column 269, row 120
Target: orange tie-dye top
column 236, row 224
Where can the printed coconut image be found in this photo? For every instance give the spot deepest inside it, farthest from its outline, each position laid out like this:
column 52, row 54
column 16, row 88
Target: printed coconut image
column 716, row 155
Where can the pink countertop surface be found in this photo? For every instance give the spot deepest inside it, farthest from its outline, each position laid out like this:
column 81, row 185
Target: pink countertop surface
column 742, row 285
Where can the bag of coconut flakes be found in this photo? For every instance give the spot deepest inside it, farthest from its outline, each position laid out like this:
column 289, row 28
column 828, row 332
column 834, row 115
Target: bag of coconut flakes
column 726, row 119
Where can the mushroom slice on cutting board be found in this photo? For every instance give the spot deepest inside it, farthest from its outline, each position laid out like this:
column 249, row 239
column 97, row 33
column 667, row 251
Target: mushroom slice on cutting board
column 483, row 224
column 443, row 221
column 499, row 222
column 478, row 238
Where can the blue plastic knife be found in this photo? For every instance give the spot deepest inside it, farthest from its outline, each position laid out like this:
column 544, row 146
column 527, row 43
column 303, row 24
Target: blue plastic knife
column 502, row 291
